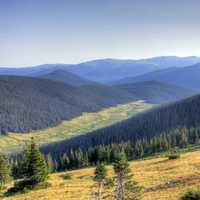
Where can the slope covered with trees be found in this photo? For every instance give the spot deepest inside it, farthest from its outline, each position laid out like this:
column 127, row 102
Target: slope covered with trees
column 156, row 92
column 150, row 91
column 67, row 77
column 173, row 125
column 30, row 104
column 188, row 77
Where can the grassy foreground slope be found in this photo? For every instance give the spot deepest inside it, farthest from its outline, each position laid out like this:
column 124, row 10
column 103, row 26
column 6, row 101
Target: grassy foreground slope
column 86, row 123
column 161, row 178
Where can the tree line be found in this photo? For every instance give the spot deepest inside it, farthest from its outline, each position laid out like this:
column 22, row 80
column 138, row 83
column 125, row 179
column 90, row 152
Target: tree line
column 134, row 149
column 34, row 169
column 33, row 173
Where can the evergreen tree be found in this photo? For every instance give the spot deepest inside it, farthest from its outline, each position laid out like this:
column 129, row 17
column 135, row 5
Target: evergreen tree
column 121, row 169
column 50, row 163
column 126, row 189
column 183, row 138
column 65, row 162
column 100, row 178
column 35, row 168
column 4, row 171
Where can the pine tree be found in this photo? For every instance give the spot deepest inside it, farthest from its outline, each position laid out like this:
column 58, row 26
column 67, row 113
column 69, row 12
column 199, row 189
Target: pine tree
column 126, row 189
column 35, row 168
column 121, row 169
column 50, row 163
column 100, row 178
column 183, row 138
column 65, row 163
column 4, row 171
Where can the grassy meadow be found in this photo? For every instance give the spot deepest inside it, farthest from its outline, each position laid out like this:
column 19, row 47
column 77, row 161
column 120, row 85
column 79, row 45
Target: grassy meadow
column 77, row 126
column 161, row 178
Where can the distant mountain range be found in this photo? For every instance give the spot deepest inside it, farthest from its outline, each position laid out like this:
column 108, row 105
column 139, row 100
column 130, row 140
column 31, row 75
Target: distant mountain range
column 106, row 70
column 188, row 77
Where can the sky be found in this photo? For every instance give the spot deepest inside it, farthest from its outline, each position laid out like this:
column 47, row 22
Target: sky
column 71, row 31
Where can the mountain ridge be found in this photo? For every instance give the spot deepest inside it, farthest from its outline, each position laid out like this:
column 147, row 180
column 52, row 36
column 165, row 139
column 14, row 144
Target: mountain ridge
column 106, row 70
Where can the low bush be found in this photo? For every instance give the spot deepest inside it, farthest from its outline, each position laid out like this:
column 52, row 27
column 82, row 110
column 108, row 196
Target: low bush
column 24, row 186
column 174, row 156
column 191, row 195
column 67, row 177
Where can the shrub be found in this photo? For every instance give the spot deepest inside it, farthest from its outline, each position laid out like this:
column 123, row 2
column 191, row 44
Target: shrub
column 67, row 177
column 191, row 195
column 24, row 186
column 174, row 156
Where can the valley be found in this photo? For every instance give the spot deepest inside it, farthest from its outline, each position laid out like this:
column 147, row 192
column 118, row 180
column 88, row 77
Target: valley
column 69, row 119
column 83, row 124
column 99, row 100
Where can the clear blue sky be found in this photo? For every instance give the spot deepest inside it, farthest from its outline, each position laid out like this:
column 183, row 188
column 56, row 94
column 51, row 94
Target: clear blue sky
column 70, row 31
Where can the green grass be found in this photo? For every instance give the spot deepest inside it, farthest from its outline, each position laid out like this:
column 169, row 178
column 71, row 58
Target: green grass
column 67, row 129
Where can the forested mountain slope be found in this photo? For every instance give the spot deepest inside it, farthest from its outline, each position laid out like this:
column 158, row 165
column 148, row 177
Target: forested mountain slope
column 144, row 77
column 30, row 104
column 150, row 91
column 156, row 92
column 184, row 113
column 188, row 77
column 67, row 77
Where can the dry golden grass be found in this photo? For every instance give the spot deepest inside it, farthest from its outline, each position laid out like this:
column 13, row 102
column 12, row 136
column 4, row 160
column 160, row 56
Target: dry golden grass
column 161, row 178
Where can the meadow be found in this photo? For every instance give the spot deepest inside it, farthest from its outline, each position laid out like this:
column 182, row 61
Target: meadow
column 83, row 124
column 161, row 178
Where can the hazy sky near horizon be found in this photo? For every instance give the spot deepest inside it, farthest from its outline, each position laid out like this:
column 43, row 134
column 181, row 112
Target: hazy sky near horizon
column 71, row 31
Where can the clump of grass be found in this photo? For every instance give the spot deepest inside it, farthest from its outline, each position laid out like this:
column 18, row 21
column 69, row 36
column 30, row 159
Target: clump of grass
column 173, row 156
column 67, row 177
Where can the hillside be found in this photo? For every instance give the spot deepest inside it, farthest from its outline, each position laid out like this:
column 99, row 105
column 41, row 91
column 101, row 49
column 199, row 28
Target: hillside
column 161, row 178
column 151, row 76
column 188, row 77
column 109, row 70
column 146, row 125
column 67, row 77
column 30, row 104
column 83, row 124
column 156, row 92
column 150, row 91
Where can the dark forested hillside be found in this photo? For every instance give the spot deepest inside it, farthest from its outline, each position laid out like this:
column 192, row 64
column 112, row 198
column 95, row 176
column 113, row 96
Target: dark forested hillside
column 30, row 104
column 147, row 125
column 67, row 77
column 156, row 92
